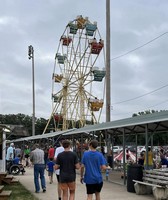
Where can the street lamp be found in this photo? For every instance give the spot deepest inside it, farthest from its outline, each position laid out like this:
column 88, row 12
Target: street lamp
column 31, row 56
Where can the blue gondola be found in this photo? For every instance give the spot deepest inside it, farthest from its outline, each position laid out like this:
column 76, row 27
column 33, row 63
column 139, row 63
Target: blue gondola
column 73, row 28
column 90, row 29
column 61, row 58
column 98, row 74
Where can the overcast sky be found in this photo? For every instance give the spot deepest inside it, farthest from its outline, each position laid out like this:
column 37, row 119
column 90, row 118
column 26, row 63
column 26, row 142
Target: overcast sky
column 138, row 79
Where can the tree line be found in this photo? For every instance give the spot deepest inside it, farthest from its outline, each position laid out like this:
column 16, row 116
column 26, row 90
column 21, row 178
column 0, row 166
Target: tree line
column 24, row 120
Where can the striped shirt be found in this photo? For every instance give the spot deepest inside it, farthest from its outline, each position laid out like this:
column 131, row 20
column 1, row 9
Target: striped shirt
column 37, row 156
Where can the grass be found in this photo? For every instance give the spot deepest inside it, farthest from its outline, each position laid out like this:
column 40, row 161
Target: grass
column 19, row 192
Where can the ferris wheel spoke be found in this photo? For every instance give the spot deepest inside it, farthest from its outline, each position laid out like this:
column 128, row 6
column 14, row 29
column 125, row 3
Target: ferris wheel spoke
column 73, row 54
column 73, row 111
column 80, row 60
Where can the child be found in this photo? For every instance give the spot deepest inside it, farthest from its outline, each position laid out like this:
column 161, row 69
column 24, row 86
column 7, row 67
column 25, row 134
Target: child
column 50, row 169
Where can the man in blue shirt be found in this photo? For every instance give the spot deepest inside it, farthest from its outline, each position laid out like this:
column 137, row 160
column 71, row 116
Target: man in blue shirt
column 93, row 162
column 16, row 160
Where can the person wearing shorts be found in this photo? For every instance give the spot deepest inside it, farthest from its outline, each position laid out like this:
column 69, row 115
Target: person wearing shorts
column 67, row 162
column 94, row 188
column 93, row 161
column 50, row 169
column 58, row 150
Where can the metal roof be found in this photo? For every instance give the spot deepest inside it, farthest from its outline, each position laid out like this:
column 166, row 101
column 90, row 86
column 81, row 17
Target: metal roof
column 47, row 135
column 156, row 122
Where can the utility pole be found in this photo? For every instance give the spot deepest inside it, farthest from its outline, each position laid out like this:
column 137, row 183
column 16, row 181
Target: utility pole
column 108, row 73
column 108, row 89
column 31, row 56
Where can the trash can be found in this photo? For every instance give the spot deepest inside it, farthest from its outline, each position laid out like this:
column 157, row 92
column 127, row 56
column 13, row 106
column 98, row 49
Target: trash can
column 134, row 172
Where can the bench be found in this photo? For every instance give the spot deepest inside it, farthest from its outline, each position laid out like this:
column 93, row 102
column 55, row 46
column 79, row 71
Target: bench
column 2, row 176
column 1, row 188
column 4, row 195
column 7, row 179
column 155, row 181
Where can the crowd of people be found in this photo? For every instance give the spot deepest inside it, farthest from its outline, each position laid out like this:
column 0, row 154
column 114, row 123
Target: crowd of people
column 63, row 162
column 154, row 159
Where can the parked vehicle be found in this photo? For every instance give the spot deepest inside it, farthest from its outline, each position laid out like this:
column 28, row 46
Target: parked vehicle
column 117, row 149
column 132, row 148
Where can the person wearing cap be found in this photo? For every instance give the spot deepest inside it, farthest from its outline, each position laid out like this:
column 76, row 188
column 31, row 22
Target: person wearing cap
column 9, row 155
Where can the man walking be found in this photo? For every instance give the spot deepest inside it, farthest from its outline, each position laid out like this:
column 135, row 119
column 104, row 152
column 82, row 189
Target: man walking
column 67, row 162
column 58, row 150
column 93, row 161
column 27, row 155
column 9, row 156
column 51, row 152
column 37, row 158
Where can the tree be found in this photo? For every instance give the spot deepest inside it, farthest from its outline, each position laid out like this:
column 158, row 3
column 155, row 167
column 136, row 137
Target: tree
column 160, row 138
column 24, row 120
column 40, row 125
column 146, row 112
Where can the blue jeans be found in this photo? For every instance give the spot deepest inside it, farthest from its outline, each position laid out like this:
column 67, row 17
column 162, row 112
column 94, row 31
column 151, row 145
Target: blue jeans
column 39, row 170
column 149, row 167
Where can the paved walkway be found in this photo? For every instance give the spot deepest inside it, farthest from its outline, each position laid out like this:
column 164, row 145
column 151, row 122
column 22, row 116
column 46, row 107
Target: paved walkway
column 110, row 191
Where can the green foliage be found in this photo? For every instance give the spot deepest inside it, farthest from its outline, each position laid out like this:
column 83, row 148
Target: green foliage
column 40, row 123
column 146, row 112
column 24, row 120
column 159, row 139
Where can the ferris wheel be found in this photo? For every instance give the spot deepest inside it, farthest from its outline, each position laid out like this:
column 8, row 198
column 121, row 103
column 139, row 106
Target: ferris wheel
column 78, row 77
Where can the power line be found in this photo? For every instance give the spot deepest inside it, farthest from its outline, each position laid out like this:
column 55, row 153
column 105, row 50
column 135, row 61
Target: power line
column 158, row 104
column 143, row 109
column 139, row 47
column 141, row 95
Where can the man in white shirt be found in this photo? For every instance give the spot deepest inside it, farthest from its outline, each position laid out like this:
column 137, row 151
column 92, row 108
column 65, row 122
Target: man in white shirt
column 10, row 152
column 57, row 151
column 9, row 156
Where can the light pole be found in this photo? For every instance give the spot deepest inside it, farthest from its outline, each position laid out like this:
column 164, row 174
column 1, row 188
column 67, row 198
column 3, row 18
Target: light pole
column 31, row 56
